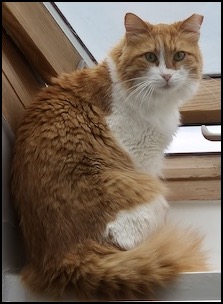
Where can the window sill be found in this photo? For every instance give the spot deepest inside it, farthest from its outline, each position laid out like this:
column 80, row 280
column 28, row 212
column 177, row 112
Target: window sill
column 193, row 177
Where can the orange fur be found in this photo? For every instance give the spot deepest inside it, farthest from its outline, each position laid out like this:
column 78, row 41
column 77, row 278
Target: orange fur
column 99, row 271
column 70, row 178
column 128, row 54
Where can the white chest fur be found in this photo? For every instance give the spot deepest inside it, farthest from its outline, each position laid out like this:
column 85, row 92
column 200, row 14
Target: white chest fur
column 144, row 135
column 144, row 127
column 144, row 123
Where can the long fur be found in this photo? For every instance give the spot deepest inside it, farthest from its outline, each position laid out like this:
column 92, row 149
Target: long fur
column 91, row 207
column 96, row 271
column 145, row 113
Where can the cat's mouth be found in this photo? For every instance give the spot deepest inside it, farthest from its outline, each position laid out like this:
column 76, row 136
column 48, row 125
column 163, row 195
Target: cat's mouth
column 167, row 86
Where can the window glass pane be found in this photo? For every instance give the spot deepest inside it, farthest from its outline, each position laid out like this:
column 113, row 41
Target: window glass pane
column 100, row 24
column 191, row 140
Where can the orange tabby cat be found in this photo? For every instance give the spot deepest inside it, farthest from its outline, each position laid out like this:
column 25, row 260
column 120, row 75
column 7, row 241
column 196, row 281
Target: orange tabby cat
column 92, row 219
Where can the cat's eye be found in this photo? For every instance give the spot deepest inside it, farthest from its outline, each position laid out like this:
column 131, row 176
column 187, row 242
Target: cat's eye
column 179, row 56
column 151, row 57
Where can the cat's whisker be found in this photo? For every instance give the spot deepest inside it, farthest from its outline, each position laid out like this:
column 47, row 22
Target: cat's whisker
column 129, row 89
column 178, row 35
column 151, row 90
column 140, row 100
column 148, row 93
column 132, row 79
column 184, row 30
column 146, row 88
column 138, row 87
column 194, row 76
column 134, row 89
column 124, row 93
column 148, row 31
column 136, row 92
column 128, row 93
column 143, row 88
column 203, row 87
column 210, row 78
column 145, row 78
column 148, row 96
column 135, row 85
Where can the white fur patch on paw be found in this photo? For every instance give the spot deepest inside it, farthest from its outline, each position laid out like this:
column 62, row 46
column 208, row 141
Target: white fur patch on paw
column 132, row 227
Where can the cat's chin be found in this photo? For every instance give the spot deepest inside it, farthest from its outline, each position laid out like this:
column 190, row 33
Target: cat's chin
column 167, row 89
column 182, row 92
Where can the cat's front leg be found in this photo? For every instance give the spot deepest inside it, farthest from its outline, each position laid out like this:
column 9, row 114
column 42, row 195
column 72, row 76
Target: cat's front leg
column 132, row 227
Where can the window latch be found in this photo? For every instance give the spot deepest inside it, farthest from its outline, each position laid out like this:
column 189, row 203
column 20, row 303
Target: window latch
column 210, row 135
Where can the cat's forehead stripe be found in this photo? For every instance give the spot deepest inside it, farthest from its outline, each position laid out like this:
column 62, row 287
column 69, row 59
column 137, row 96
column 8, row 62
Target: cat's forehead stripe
column 165, row 60
column 162, row 56
column 164, row 68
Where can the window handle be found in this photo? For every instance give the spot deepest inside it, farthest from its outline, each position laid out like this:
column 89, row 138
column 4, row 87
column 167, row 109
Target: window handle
column 210, row 135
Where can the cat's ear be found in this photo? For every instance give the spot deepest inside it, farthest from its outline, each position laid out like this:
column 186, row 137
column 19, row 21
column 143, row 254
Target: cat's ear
column 192, row 24
column 134, row 25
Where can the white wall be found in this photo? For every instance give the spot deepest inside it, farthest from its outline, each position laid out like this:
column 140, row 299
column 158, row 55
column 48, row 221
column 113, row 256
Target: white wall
column 100, row 24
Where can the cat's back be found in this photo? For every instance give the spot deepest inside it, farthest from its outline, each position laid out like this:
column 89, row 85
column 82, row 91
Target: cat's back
column 63, row 135
column 71, row 104
column 49, row 124
column 53, row 110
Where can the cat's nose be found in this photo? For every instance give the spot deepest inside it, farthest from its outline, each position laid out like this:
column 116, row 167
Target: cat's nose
column 166, row 76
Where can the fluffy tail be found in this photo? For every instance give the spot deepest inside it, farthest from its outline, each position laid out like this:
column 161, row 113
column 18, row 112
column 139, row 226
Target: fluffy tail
column 100, row 272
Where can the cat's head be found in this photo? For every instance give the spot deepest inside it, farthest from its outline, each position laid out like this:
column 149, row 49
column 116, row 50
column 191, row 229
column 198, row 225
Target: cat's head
column 162, row 59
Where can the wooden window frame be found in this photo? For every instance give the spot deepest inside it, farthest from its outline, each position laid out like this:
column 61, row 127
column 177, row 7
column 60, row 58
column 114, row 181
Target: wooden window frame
column 205, row 107
column 35, row 48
